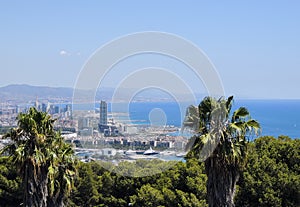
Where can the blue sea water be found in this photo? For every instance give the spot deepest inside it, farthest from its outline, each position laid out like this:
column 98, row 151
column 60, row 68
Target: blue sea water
column 277, row 117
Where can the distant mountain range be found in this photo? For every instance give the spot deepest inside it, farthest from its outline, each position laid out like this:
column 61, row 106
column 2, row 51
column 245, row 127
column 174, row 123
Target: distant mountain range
column 23, row 90
column 23, row 93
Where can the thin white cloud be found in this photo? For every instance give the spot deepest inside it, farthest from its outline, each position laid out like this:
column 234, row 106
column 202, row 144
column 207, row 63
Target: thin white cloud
column 64, row 53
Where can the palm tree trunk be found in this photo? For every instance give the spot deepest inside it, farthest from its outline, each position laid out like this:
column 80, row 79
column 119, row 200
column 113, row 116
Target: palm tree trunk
column 57, row 201
column 221, row 182
column 35, row 184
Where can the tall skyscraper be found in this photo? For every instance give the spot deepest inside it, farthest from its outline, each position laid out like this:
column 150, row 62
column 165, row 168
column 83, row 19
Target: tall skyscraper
column 44, row 107
column 68, row 110
column 36, row 104
column 103, row 113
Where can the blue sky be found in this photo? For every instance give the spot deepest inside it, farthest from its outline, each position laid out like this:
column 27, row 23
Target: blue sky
column 253, row 44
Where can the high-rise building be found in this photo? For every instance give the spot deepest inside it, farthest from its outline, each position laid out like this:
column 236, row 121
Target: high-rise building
column 48, row 107
column 56, row 110
column 103, row 113
column 68, row 110
column 36, row 104
column 44, row 107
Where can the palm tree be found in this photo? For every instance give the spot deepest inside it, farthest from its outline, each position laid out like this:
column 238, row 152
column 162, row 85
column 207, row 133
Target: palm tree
column 61, row 172
column 221, row 142
column 37, row 150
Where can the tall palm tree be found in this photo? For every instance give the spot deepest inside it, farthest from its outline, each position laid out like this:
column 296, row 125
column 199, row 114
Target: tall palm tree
column 221, row 142
column 61, row 172
column 37, row 149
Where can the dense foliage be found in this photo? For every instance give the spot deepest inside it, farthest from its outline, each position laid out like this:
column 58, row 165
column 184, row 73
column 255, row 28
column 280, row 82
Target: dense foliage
column 10, row 184
column 271, row 178
column 43, row 159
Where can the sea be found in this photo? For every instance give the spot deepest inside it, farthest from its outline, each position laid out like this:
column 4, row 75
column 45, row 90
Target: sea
column 276, row 117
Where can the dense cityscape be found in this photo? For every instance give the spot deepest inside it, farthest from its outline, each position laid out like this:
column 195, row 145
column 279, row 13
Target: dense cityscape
column 96, row 135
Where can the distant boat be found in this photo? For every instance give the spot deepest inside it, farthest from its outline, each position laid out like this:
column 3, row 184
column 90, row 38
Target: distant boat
column 130, row 152
column 140, row 152
column 134, row 152
column 167, row 153
column 150, row 152
column 181, row 154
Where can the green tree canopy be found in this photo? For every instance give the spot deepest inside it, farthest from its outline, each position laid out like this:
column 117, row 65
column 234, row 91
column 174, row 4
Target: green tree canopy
column 44, row 160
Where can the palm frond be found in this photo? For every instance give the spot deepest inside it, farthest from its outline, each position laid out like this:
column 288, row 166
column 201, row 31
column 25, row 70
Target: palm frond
column 242, row 112
column 217, row 129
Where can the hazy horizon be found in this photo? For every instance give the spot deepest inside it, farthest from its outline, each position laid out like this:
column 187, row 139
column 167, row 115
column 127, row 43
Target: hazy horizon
column 149, row 92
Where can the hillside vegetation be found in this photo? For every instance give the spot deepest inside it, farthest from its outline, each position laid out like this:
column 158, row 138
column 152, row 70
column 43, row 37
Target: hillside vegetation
column 271, row 178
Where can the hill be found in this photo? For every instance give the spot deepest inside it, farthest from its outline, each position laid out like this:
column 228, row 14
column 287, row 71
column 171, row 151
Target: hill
column 23, row 92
